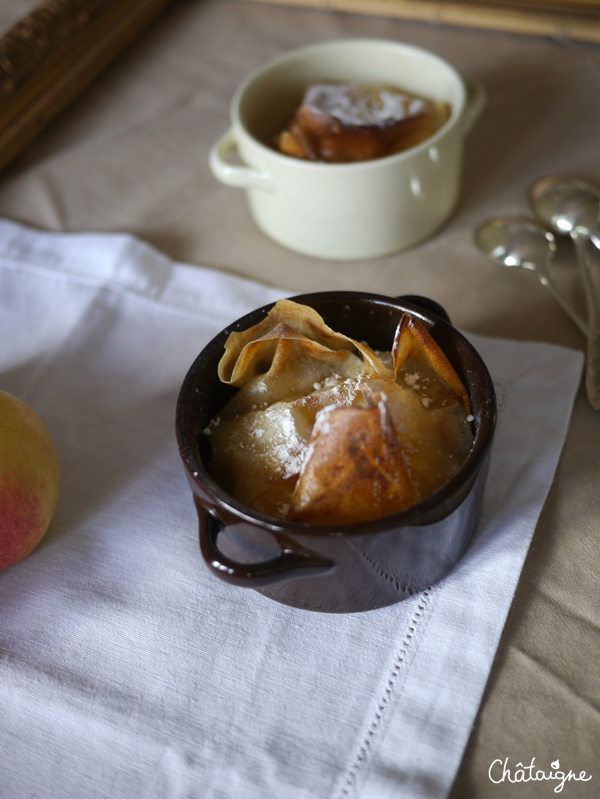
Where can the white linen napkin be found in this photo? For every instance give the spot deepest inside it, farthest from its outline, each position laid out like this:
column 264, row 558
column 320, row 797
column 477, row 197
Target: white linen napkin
column 126, row 669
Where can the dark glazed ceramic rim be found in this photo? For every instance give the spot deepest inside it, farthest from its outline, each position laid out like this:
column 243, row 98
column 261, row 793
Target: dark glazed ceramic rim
column 463, row 356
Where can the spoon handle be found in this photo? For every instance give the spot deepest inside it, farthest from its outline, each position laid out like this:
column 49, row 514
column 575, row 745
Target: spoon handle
column 564, row 304
column 592, row 372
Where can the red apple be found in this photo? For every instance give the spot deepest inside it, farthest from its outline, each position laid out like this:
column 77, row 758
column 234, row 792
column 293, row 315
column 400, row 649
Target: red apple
column 29, row 477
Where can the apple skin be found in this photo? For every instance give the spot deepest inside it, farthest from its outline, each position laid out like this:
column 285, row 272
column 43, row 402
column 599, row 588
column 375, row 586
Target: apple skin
column 29, row 479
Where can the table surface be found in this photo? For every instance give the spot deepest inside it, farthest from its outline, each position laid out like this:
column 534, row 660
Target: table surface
column 131, row 155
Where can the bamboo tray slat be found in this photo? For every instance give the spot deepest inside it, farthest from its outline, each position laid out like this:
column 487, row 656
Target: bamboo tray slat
column 561, row 19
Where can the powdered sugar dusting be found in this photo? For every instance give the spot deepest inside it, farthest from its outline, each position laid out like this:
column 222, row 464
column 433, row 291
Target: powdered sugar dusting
column 354, row 105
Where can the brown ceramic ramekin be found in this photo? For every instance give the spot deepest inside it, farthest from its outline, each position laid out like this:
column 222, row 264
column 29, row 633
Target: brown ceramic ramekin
column 355, row 567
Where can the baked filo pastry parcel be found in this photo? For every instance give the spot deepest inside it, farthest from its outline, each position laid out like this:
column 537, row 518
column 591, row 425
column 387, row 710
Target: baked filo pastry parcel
column 325, row 430
column 341, row 123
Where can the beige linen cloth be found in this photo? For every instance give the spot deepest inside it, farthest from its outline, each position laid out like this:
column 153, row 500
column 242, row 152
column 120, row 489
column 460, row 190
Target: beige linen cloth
column 127, row 669
column 131, row 155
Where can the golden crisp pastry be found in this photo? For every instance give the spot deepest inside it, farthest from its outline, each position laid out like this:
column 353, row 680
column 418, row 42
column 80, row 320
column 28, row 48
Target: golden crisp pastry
column 325, row 430
column 340, row 123
column 354, row 470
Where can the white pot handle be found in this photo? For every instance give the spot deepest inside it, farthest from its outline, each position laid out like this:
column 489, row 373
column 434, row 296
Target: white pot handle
column 243, row 177
column 476, row 102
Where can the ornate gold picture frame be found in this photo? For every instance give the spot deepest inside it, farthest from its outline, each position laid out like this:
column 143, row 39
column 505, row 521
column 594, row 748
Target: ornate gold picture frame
column 52, row 54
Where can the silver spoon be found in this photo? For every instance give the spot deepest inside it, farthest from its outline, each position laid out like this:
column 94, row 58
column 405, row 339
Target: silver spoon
column 572, row 207
column 518, row 241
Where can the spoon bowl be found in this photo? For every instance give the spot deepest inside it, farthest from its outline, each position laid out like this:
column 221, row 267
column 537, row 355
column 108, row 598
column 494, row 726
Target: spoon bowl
column 568, row 205
column 523, row 242
column 517, row 242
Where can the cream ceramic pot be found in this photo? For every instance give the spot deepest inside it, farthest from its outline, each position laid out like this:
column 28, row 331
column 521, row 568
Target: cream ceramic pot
column 352, row 210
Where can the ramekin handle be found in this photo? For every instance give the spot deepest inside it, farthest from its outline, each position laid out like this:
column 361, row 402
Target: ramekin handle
column 476, row 102
column 242, row 177
column 288, row 564
column 426, row 304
